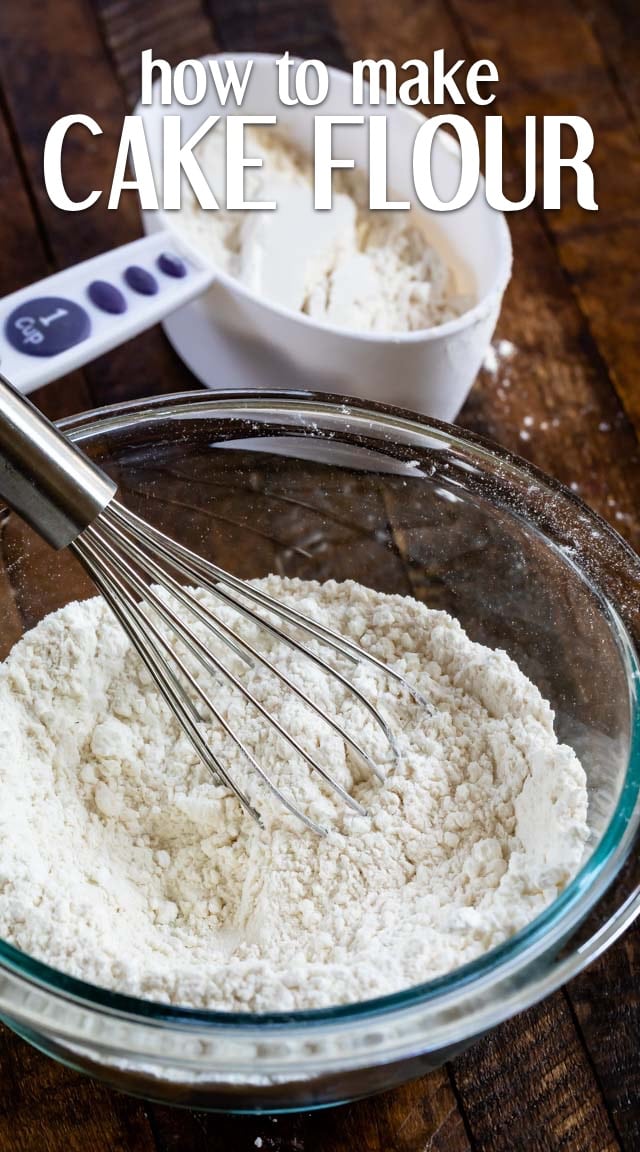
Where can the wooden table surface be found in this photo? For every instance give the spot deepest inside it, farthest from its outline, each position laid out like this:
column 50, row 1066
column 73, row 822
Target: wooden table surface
column 565, row 1075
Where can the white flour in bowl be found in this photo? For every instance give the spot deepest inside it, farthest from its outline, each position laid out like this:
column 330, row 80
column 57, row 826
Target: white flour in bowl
column 351, row 267
column 124, row 863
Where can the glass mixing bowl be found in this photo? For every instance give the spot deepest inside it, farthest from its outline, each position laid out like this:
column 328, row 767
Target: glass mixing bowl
column 320, row 488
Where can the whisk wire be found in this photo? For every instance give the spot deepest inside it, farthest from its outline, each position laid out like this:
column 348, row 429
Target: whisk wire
column 107, row 554
column 348, row 648
column 130, row 561
column 165, row 679
column 71, row 503
column 213, row 623
column 226, row 598
column 133, row 612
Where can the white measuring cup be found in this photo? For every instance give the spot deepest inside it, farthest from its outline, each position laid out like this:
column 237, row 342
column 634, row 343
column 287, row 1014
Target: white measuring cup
column 228, row 335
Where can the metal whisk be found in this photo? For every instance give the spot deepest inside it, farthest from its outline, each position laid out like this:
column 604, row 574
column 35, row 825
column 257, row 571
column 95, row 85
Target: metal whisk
column 72, row 503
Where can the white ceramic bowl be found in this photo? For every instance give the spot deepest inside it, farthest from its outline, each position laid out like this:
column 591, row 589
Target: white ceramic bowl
column 232, row 338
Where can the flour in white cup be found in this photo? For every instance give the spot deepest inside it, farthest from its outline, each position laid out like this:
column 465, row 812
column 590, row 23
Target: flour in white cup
column 124, row 863
column 350, row 266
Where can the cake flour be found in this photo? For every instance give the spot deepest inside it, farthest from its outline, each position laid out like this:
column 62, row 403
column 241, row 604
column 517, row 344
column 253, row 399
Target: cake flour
column 349, row 267
column 124, row 863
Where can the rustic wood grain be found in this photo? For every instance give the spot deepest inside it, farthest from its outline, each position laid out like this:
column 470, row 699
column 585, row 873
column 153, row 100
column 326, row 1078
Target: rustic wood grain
column 11, row 627
column 617, row 28
column 45, row 1107
column 175, row 32
column 420, row 1116
column 553, row 401
column 43, row 45
column 561, row 1107
column 531, row 1084
column 606, row 1000
column 556, row 67
column 277, row 26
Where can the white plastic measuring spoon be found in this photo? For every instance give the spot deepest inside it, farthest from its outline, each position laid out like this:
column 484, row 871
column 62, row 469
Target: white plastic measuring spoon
column 62, row 322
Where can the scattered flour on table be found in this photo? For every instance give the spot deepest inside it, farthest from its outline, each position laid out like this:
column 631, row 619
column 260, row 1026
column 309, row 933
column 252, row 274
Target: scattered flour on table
column 124, row 863
column 496, row 355
column 372, row 270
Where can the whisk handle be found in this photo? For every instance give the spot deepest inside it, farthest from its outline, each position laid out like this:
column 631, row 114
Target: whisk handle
column 43, row 476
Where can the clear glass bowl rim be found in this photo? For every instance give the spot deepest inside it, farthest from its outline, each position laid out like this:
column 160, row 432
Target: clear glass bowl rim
column 519, row 954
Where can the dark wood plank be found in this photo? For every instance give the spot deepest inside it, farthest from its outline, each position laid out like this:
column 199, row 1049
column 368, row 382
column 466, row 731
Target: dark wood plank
column 53, row 60
column 561, row 1106
column 606, row 1000
column 556, row 66
column 420, row 1116
column 553, row 401
column 277, row 26
column 45, row 1107
column 11, row 626
column 176, row 31
column 617, row 27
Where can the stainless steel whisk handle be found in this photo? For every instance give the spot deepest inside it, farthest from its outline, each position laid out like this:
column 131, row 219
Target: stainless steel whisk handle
column 43, row 476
